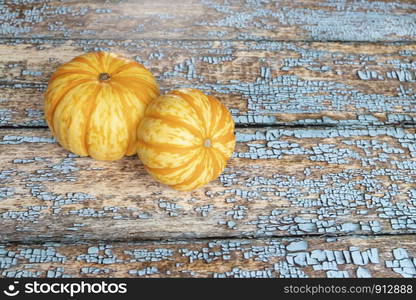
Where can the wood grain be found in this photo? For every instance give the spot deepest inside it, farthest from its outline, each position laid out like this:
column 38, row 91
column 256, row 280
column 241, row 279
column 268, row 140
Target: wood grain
column 281, row 181
column 328, row 191
column 358, row 256
column 318, row 20
column 262, row 83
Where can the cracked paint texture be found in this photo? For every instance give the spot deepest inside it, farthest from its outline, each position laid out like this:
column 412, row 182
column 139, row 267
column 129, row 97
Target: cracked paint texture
column 342, row 257
column 321, row 20
column 327, row 190
column 351, row 180
column 261, row 82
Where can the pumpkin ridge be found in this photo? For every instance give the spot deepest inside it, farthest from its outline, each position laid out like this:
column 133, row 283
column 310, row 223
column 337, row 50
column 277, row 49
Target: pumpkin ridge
column 226, row 129
column 51, row 112
column 215, row 162
column 188, row 99
column 220, row 153
column 222, row 123
column 73, row 72
column 100, row 56
column 188, row 168
column 166, row 147
column 91, row 109
column 131, row 127
column 125, row 67
column 173, row 169
column 124, row 109
column 140, row 97
column 86, row 61
column 137, row 78
column 145, row 97
column 173, row 123
column 108, row 134
column 224, row 139
column 72, row 109
column 198, row 170
column 108, row 60
column 214, row 113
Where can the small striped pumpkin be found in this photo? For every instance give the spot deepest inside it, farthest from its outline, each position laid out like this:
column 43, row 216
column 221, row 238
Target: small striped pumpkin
column 185, row 138
column 94, row 103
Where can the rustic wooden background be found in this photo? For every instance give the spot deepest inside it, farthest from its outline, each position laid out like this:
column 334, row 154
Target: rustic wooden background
column 323, row 179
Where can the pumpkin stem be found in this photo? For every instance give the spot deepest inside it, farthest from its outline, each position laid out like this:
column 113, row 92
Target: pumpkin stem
column 103, row 76
column 207, row 143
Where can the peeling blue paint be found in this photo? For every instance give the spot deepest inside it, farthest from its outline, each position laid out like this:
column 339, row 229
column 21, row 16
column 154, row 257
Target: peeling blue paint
column 403, row 263
column 14, row 140
column 361, row 21
column 144, row 255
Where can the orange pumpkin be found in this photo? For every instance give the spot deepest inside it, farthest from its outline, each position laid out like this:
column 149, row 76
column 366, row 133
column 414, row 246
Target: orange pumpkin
column 94, row 103
column 185, row 138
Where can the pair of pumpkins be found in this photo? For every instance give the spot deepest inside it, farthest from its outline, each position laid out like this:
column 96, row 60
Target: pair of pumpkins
column 106, row 106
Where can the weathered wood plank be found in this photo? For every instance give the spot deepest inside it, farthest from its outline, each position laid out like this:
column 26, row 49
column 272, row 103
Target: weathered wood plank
column 360, row 256
column 279, row 182
column 191, row 19
column 261, row 82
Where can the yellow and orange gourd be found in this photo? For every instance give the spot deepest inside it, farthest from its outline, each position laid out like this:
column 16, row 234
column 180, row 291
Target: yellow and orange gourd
column 106, row 106
column 185, row 138
column 94, row 103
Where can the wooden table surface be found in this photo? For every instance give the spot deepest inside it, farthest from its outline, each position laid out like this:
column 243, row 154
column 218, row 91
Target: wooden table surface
column 323, row 179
